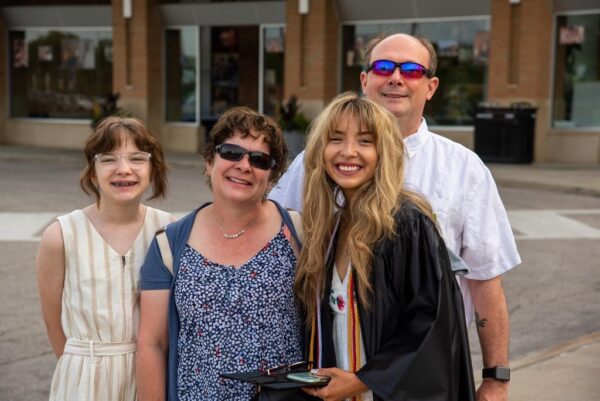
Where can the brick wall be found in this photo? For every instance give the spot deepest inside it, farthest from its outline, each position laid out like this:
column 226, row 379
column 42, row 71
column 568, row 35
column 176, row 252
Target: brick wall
column 520, row 71
column 312, row 48
column 154, row 65
column 137, row 60
column 520, row 61
column 3, row 80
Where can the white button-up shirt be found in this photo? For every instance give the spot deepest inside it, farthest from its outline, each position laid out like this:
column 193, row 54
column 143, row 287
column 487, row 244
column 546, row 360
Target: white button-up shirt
column 464, row 198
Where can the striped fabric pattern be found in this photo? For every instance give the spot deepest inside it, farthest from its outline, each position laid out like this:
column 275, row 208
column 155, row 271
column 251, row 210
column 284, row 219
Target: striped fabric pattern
column 100, row 303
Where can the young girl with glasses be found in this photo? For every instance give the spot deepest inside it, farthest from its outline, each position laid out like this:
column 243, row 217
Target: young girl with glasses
column 88, row 264
column 228, row 304
column 385, row 313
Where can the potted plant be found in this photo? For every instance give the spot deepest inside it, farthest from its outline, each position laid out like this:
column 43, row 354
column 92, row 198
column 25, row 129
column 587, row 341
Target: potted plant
column 294, row 125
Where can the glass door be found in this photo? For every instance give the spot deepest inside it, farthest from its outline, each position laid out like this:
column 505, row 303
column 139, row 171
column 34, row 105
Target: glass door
column 230, row 67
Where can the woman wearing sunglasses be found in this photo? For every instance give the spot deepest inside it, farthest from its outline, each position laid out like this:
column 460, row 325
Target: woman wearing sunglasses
column 385, row 313
column 89, row 260
column 229, row 305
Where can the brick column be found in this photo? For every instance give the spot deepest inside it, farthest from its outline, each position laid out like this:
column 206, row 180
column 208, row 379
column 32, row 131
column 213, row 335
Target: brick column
column 520, row 60
column 312, row 54
column 137, row 61
column 4, row 95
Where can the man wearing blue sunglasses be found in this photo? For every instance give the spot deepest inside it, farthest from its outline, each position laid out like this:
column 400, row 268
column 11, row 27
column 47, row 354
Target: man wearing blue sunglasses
column 400, row 76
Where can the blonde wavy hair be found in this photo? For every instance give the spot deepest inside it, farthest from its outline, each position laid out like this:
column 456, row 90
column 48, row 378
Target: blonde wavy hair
column 370, row 213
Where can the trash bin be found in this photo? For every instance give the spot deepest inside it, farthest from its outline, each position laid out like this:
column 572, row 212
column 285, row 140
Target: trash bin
column 505, row 134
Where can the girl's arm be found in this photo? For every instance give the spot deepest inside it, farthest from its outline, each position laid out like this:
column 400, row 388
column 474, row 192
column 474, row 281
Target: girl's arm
column 153, row 345
column 50, row 266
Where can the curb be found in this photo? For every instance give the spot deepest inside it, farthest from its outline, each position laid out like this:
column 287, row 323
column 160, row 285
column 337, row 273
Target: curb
column 554, row 351
column 575, row 190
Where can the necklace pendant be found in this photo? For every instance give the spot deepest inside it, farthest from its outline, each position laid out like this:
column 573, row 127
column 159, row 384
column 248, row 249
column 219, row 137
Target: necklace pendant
column 234, row 236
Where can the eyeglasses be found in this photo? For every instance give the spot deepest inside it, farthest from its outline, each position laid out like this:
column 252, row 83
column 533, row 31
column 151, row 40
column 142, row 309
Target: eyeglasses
column 235, row 153
column 408, row 70
column 292, row 367
column 111, row 160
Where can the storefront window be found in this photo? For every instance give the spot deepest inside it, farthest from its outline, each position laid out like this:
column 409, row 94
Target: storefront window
column 273, row 63
column 181, row 71
column 577, row 71
column 462, row 48
column 59, row 73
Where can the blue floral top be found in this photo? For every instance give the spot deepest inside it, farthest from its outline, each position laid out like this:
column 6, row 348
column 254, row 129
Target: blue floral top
column 235, row 320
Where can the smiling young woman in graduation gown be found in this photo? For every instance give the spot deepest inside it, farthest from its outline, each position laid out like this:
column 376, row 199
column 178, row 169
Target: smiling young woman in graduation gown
column 385, row 312
column 414, row 335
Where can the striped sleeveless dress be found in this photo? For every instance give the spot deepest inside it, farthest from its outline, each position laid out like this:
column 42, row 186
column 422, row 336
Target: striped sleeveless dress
column 100, row 311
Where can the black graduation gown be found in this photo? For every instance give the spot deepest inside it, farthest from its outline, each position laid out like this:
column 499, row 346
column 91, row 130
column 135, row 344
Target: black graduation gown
column 414, row 333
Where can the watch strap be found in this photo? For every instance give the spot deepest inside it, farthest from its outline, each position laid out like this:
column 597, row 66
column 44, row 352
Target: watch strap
column 500, row 373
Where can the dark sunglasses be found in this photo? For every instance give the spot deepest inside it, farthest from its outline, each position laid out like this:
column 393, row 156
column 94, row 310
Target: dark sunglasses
column 408, row 70
column 235, row 153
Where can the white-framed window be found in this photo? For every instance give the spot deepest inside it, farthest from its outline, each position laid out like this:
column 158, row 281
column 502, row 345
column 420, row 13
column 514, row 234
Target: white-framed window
column 576, row 83
column 61, row 73
column 271, row 68
column 181, row 74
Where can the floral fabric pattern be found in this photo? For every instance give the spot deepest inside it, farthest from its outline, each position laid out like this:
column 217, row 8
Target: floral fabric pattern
column 235, row 320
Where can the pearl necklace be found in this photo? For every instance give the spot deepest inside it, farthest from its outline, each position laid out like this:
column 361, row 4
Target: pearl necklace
column 234, row 236
column 238, row 234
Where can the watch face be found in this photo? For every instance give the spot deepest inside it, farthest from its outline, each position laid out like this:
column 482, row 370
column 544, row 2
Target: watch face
column 503, row 374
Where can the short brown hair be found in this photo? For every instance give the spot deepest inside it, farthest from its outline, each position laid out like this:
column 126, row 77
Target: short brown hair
column 425, row 42
column 108, row 136
column 242, row 120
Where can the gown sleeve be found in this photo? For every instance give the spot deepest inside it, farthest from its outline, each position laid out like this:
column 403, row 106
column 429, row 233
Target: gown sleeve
column 424, row 351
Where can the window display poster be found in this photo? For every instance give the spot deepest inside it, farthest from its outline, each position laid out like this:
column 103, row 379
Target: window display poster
column 355, row 57
column 447, row 48
column 87, row 55
column 77, row 53
column 481, row 47
column 20, row 53
column 45, row 53
column 108, row 53
column 225, row 40
column 572, row 35
column 274, row 44
column 68, row 57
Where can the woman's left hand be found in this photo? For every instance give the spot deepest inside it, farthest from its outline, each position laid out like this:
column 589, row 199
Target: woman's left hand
column 342, row 385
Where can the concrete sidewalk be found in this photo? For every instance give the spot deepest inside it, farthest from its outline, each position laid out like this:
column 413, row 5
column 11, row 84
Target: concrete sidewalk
column 584, row 180
column 567, row 372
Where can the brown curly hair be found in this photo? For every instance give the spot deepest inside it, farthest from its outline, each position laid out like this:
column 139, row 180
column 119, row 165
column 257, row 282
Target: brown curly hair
column 243, row 120
column 108, row 136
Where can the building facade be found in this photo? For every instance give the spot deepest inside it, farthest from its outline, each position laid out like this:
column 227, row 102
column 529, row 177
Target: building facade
column 178, row 64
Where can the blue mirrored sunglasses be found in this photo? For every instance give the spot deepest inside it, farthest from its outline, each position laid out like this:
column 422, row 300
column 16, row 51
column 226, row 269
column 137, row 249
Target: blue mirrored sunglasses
column 408, row 69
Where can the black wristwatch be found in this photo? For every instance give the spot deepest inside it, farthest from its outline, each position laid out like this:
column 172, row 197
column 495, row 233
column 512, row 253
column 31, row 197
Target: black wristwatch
column 499, row 373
